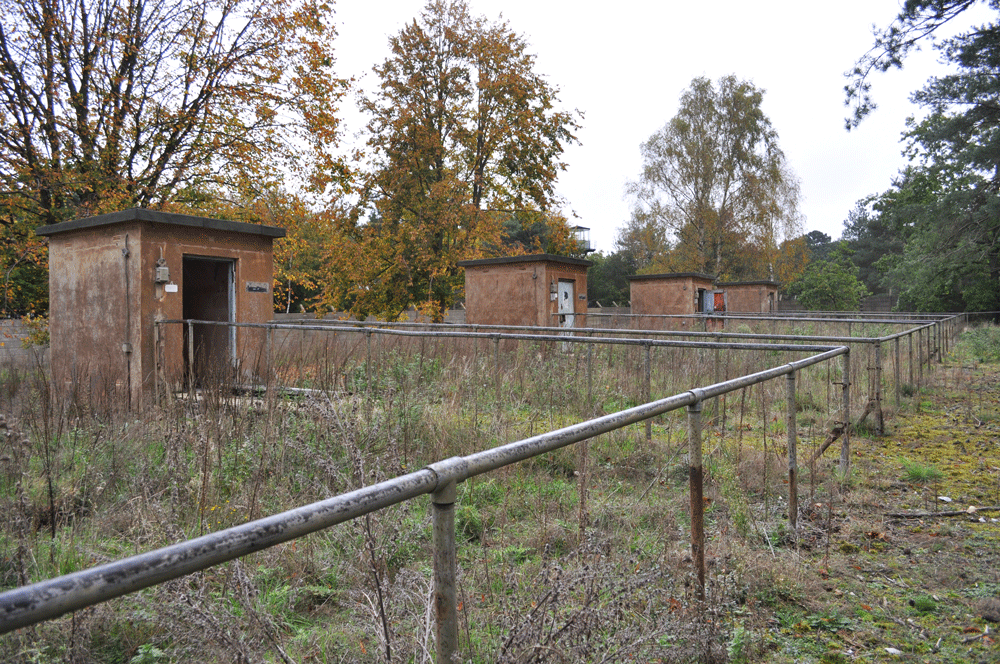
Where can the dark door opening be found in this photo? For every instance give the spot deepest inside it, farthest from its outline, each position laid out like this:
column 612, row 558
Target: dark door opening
column 208, row 295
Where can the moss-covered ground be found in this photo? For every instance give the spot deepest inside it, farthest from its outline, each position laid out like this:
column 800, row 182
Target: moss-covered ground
column 905, row 565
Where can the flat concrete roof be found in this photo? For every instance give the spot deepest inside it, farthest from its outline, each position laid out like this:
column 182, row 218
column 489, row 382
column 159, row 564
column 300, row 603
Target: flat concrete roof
column 759, row 282
column 672, row 275
column 533, row 258
column 152, row 216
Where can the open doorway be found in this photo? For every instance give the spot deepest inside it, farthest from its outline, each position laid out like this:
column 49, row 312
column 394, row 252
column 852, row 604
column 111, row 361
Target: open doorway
column 209, row 295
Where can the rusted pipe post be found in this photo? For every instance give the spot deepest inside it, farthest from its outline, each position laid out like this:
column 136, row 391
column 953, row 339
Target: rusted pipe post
column 920, row 360
column 793, row 468
column 845, row 446
column 156, row 364
column 897, row 371
column 718, row 370
column 939, row 341
column 269, row 352
column 190, row 360
column 930, row 352
column 879, row 417
column 445, row 595
column 496, row 363
column 590, row 378
column 909, row 338
column 697, row 496
column 649, row 390
column 368, row 361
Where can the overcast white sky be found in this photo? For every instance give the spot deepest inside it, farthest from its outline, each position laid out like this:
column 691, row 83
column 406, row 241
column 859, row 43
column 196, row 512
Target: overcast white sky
column 624, row 64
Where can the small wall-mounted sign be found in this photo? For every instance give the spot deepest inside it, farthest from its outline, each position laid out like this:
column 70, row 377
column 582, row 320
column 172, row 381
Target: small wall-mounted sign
column 258, row 287
column 170, row 288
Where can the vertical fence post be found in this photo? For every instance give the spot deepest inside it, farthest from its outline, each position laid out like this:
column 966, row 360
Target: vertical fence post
column 793, row 468
column 879, row 417
column 697, row 496
column 590, row 377
column 368, row 361
column 269, row 352
column 898, row 371
column 930, row 350
column 190, row 360
column 718, row 370
column 938, row 341
column 156, row 363
column 445, row 595
column 909, row 338
column 845, row 446
column 920, row 359
column 496, row 363
column 649, row 390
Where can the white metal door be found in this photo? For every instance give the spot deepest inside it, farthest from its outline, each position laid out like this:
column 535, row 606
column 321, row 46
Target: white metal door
column 566, row 303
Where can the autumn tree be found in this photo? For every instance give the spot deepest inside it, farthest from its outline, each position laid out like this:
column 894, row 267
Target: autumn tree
column 461, row 124
column 180, row 104
column 716, row 181
column 119, row 103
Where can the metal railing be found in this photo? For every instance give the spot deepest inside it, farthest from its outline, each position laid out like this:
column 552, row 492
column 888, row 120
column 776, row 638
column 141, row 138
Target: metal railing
column 929, row 337
column 49, row 599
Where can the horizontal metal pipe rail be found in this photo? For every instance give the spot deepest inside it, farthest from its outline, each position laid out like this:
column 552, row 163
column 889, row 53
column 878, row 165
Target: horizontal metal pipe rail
column 734, row 316
column 559, row 333
column 52, row 598
column 613, row 341
column 475, row 327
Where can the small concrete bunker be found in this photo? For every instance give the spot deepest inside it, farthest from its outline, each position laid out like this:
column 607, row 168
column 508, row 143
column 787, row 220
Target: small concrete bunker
column 540, row 290
column 112, row 275
column 674, row 294
column 751, row 297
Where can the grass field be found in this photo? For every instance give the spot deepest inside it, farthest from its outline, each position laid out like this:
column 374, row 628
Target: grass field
column 580, row 555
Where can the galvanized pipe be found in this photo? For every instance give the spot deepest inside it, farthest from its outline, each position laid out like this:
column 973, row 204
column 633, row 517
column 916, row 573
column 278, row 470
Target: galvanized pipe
column 52, row 598
column 845, row 446
column 879, row 417
column 909, row 337
column 368, row 362
column 190, row 359
column 793, row 467
column 815, row 347
column 930, row 353
column 49, row 599
column 533, row 332
column 590, row 379
column 648, row 390
column 695, row 475
column 496, row 364
column 445, row 595
column 920, row 359
column 897, row 371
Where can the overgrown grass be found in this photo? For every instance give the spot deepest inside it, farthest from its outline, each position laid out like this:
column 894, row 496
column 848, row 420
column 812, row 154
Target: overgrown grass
column 980, row 344
column 573, row 556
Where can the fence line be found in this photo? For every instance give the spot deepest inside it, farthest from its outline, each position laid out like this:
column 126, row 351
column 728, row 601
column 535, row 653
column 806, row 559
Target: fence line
column 49, row 599
column 934, row 338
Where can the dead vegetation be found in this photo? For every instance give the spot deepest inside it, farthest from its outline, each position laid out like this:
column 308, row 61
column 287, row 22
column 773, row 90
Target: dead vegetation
column 548, row 572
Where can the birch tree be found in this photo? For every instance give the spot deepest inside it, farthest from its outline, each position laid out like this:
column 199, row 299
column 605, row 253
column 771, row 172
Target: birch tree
column 716, row 181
